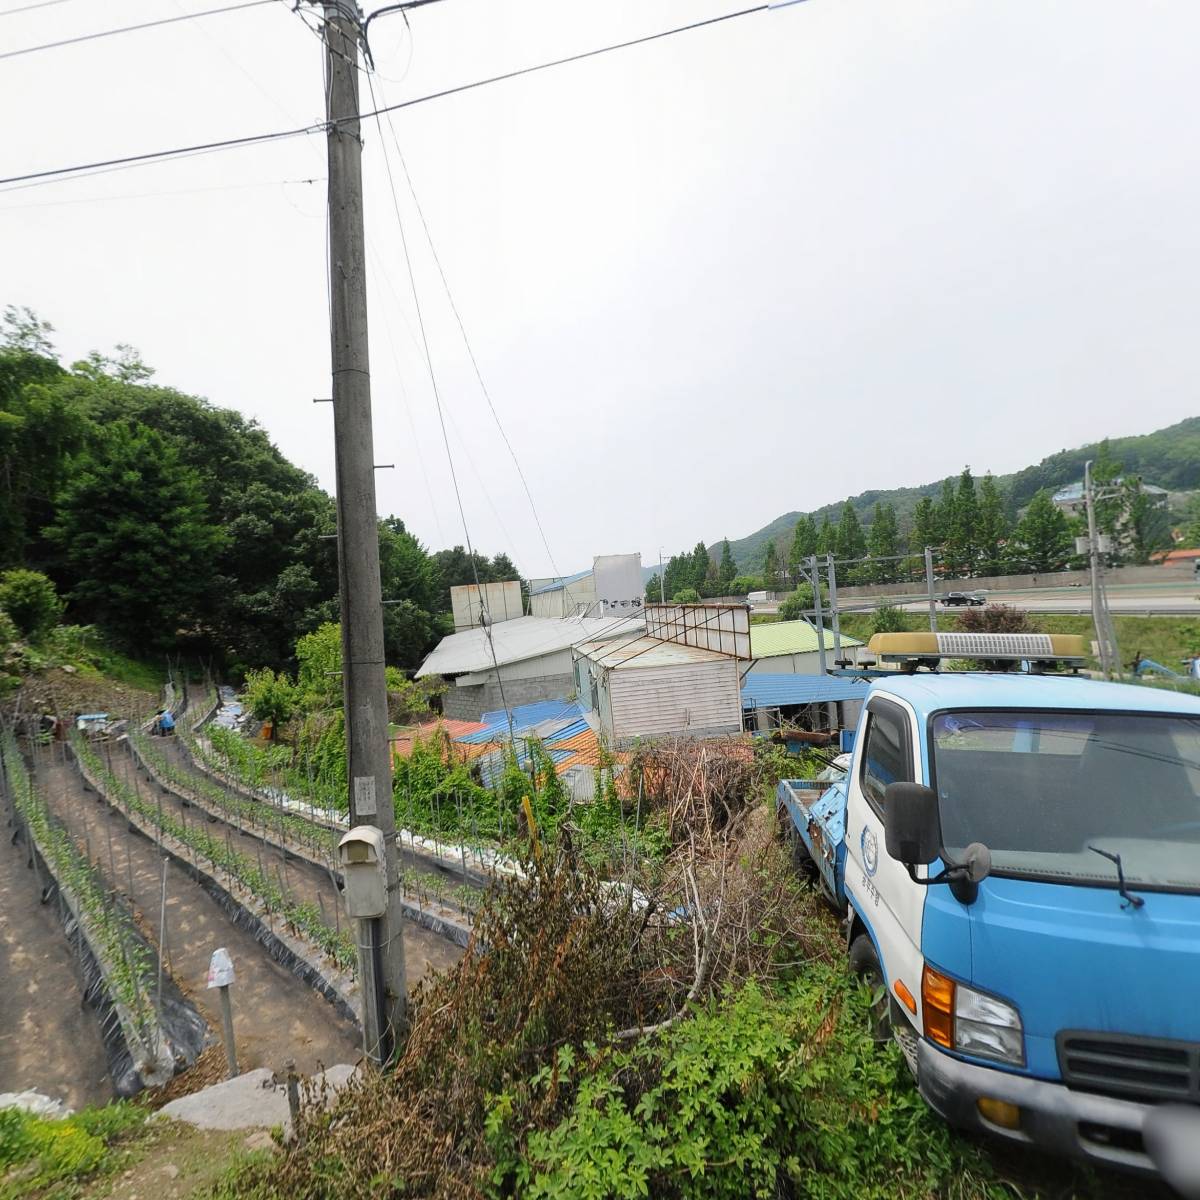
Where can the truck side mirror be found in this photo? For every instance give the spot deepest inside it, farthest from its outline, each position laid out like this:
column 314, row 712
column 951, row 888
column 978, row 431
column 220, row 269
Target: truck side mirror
column 911, row 828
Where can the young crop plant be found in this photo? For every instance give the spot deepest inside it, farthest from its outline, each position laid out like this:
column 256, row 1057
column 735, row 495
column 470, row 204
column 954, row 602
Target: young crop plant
column 128, row 964
column 303, row 918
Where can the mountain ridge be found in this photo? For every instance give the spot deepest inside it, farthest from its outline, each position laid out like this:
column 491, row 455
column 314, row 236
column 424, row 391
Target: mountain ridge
column 1168, row 457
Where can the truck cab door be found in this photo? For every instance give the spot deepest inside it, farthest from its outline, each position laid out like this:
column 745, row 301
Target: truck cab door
column 877, row 886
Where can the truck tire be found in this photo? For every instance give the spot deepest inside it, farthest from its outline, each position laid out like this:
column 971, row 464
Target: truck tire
column 864, row 962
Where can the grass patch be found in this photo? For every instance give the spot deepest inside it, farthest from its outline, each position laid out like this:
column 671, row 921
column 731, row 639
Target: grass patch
column 48, row 1158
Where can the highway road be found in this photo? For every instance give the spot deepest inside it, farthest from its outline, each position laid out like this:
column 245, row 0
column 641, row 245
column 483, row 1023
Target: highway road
column 1150, row 599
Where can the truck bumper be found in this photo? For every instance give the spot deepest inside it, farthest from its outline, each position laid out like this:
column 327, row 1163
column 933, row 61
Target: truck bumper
column 1097, row 1129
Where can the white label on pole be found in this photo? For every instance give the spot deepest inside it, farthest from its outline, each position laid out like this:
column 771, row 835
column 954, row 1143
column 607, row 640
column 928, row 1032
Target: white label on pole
column 220, row 969
column 364, row 796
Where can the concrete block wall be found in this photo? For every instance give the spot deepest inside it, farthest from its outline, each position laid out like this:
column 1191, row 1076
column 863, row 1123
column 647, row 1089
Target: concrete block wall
column 470, row 703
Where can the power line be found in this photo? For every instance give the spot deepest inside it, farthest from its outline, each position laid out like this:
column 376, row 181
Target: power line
column 91, row 37
column 230, row 143
column 8, row 12
column 571, row 58
column 467, row 343
column 220, row 187
column 462, row 512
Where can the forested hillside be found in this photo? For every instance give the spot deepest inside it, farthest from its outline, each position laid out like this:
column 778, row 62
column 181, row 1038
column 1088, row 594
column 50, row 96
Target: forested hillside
column 1169, row 458
column 173, row 524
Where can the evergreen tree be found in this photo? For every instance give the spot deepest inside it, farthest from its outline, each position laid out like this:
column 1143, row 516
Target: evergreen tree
column 883, row 541
column 944, row 513
column 851, row 543
column 827, row 541
column 804, row 542
column 924, row 527
column 961, row 551
column 771, row 566
column 727, row 572
column 1043, row 535
column 699, row 571
column 134, row 537
column 1191, row 528
column 991, row 528
column 1145, row 525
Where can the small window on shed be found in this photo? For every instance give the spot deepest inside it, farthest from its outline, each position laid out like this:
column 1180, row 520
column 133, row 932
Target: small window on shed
column 887, row 755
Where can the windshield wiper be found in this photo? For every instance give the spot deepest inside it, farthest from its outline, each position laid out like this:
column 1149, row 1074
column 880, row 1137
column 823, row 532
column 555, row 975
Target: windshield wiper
column 1130, row 900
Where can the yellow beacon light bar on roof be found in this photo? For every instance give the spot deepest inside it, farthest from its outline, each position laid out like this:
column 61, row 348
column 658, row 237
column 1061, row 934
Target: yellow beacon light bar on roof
column 1011, row 647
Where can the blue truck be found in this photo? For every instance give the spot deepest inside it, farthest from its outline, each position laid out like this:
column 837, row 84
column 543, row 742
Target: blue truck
column 1016, row 858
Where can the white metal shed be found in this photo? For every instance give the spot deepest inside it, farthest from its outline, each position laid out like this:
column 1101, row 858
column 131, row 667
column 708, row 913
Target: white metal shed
column 645, row 687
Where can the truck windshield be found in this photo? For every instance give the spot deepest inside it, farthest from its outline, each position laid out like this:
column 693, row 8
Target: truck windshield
column 1040, row 788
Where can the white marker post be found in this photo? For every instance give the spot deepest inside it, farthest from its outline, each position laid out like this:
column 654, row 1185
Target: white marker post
column 220, row 976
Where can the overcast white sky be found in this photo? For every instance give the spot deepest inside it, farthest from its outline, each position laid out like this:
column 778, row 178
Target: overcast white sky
column 753, row 268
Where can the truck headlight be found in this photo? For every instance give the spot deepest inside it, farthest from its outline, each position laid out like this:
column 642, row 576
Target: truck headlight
column 960, row 1018
column 987, row 1027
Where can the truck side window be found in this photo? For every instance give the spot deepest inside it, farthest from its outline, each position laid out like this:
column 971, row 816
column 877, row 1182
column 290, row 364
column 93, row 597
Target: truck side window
column 887, row 751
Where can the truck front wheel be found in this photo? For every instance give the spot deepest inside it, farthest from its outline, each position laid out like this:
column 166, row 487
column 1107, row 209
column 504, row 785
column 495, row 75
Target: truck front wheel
column 864, row 962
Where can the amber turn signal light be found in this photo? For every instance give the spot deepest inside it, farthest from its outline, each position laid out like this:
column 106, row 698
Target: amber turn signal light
column 937, row 1000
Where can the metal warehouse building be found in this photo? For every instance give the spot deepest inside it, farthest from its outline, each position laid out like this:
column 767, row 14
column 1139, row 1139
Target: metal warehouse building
column 650, row 686
column 790, row 648
column 532, row 658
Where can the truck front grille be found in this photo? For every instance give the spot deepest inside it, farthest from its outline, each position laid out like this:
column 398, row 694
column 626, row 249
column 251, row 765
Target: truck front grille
column 1135, row 1067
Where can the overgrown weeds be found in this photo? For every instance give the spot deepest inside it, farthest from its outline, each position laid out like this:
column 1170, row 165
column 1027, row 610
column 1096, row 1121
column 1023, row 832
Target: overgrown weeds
column 39, row 1152
column 696, row 1038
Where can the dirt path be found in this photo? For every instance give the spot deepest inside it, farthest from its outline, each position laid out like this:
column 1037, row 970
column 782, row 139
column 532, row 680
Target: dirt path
column 276, row 1016
column 423, row 950
column 48, row 1040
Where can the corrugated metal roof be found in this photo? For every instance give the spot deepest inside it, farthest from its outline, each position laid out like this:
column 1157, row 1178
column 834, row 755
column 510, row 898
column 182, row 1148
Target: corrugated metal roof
column 525, row 717
column 647, row 652
column 790, row 637
column 556, row 584
column 774, row 691
column 524, row 638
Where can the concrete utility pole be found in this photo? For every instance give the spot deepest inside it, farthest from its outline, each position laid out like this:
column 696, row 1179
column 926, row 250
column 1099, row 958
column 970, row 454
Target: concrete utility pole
column 814, row 567
column 929, row 586
column 381, row 961
column 1106, row 638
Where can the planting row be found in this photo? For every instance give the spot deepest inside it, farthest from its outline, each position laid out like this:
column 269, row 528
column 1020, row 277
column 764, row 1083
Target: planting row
column 304, row 918
column 127, row 964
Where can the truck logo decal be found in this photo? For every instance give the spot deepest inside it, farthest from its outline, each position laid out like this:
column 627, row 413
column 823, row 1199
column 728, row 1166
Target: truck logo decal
column 870, row 850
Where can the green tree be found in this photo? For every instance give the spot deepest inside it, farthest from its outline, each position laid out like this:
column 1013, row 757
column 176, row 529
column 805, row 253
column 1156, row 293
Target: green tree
column 961, row 535
column 771, row 566
column 319, row 659
column 926, row 530
column 800, row 602
column 686, row 596
column 827, row 537
column 727, row 571
column 271, row 697
column 883, row 543
column 944, row 512
column 886, row 619
column 134, row 537
column 743, row 585
column 31, row 600
column 851, row 543
column 805, row 538
column 1145, row 525
column 654, row 589
column 1191, row 528
column 22, row 330
column 1043, row 535
column 991, row 527
column 699, row 566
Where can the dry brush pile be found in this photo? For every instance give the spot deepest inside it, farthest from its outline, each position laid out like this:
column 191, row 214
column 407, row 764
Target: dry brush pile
column 560, row 959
